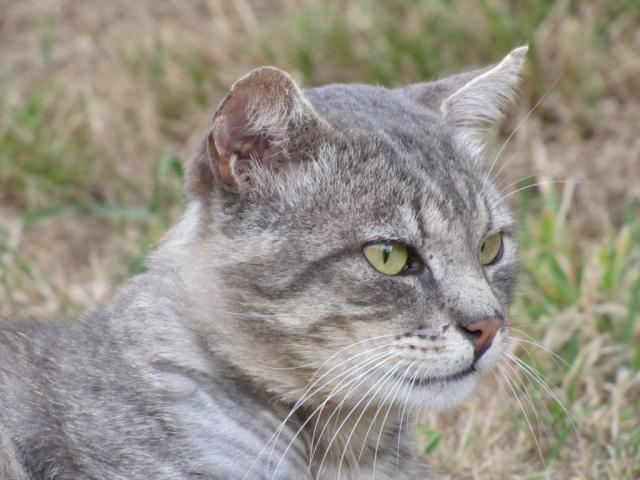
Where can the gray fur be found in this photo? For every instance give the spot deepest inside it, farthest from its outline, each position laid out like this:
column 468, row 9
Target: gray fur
column 262, row 288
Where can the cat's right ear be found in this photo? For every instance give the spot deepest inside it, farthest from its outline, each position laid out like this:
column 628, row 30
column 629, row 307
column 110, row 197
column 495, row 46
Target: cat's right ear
column 263, row 121
column 472, row 101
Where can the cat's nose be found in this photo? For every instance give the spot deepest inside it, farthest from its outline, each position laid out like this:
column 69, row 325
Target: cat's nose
column 481, row 333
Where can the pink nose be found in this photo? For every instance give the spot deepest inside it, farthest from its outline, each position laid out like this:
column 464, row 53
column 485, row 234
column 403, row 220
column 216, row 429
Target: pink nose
column 482, row 334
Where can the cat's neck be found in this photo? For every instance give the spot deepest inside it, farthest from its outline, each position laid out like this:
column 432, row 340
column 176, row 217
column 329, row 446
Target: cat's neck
column 343, row 439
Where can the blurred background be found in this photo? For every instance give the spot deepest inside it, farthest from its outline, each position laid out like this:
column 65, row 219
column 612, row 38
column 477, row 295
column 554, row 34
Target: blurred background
column 101, row 103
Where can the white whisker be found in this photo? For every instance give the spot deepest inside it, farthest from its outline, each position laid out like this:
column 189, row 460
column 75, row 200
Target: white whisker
column 554, row 356
column 364, row 410
column 524, row 412
column 503, row 190
column 386, row 356
column 364, row 396
column 521, row 386
column 313, row 436
column 515, row 130
column 404, row 408
column 307, row 394
column 543, row 182
column 542, row 381
column 384, row 420
column 304, row 397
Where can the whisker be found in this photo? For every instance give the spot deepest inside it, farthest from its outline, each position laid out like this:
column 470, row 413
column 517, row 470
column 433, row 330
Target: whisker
column 504, row 189
column 542, row 381
column 392, row 354
column 404, row 408
column 495, row 177
column 378, row 410
column 364, row 396
column 304, row 397
column 524, row 412
column 539, row 379
column 520, row 384
column 354, row 384
column 364, row 410
column 351, row 346
column 554, row 356
column 543, row 182
column 534, row 322
column 384, row 420
column 510, row 394
column 385, row 357
column 520, row 123
column 311, row 364
column 316, row 425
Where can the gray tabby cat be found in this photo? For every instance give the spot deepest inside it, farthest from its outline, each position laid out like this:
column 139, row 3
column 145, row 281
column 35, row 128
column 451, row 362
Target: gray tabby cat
column 344, row 263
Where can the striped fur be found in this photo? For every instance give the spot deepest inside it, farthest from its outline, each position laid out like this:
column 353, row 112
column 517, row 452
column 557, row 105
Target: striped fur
column 260, row 344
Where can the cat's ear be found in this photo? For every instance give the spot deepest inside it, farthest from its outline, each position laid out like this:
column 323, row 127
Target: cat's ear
column 473, row 101
column 262, row 119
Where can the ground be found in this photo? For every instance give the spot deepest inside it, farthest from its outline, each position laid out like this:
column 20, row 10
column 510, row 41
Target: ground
column 100, row 103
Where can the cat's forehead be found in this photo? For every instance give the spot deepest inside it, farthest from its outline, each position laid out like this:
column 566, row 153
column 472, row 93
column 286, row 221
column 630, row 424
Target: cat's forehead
column 395, row 141
column 375, row 111
column 378, row 191
column 395, row 171
column 402, row 163
column 412, row 197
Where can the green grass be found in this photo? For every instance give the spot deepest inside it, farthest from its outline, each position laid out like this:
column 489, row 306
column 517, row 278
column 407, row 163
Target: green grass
column 554, row 271
column 402, row 40
column 36, row 160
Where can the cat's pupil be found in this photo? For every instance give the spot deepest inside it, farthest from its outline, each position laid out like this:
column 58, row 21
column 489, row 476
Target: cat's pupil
column 386, row 252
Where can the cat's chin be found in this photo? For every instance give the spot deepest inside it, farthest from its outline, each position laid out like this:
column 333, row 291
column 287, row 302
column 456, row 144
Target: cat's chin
column 440, row 395
column 450, row 392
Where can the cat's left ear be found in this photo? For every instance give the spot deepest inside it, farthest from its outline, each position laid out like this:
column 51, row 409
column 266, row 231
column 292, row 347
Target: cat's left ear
column 473, row 101
column 264, row 122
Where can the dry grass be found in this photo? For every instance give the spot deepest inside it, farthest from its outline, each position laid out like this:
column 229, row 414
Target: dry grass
column 98, row 102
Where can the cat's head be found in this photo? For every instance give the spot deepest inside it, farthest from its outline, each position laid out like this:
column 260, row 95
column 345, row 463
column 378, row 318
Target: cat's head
column 349, row 236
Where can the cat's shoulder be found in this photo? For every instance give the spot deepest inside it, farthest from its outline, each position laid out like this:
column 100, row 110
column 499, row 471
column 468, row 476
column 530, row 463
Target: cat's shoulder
column 32, row 336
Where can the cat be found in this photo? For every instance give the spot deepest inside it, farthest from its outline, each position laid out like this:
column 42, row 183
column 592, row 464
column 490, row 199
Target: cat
column 343, row 263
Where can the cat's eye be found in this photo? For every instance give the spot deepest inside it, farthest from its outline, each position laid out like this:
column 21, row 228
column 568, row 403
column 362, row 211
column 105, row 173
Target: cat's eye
column 390, row 258
column 491, row 249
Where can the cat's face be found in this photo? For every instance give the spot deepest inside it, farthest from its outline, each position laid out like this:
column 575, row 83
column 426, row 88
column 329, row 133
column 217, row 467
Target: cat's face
column 357, row 244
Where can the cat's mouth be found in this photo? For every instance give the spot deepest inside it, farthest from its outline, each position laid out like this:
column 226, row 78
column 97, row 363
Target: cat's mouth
column 430, row 381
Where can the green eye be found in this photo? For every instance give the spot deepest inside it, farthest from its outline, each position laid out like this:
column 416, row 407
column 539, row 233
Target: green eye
column 389, row 258
column 491, row 249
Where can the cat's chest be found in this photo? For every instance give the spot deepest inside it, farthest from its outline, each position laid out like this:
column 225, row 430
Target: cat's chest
column 228, row 435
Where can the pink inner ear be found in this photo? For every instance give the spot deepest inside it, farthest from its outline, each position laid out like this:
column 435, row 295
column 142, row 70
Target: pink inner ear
column 256, row 123
column 231, row 137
